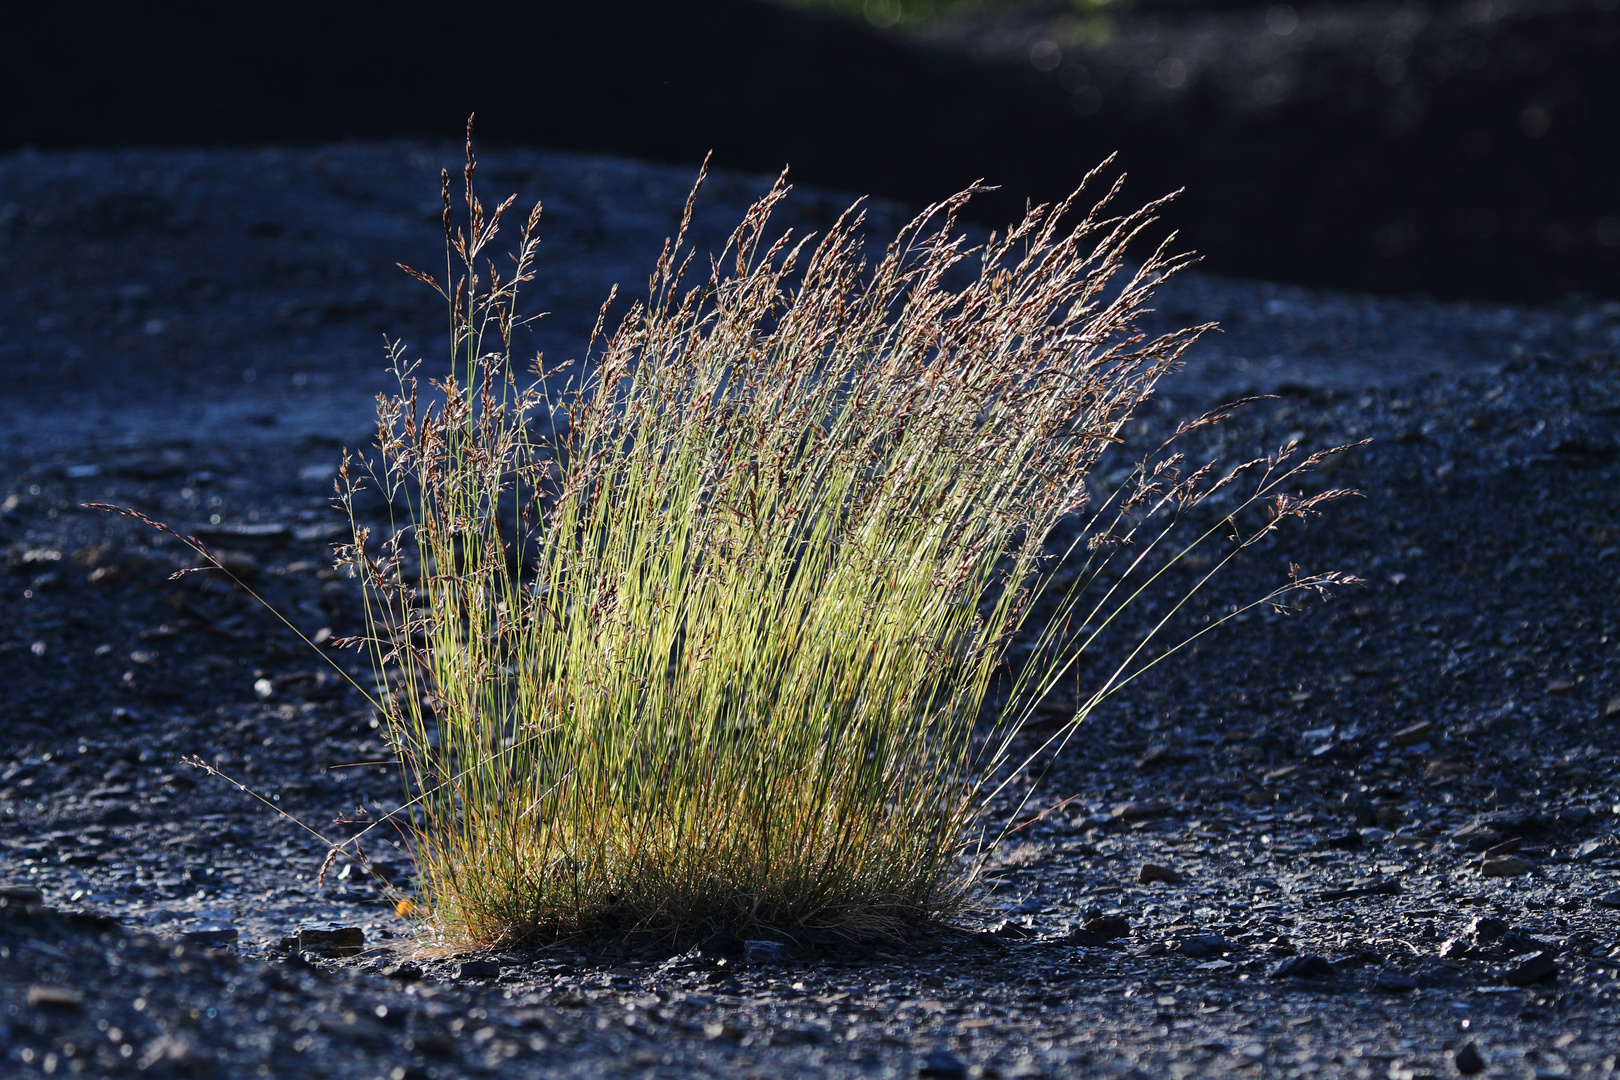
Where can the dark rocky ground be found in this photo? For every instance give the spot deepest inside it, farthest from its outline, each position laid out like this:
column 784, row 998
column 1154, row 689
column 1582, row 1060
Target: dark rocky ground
column 1407, row 794
column 1460, row 147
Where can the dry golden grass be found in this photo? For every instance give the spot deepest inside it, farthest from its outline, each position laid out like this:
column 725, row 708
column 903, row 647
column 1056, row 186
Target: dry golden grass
column 705, row 637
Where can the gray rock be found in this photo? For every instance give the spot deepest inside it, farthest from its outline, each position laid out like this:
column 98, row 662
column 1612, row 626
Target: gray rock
column 1589, row 850
column 1202, row 946
column 1142, row 809
column 1303, row 967
column 1109, row 926
column 331, row 940
column 478, row 969
column 1456, row 949
column 1466, row 1060
column 58, row 998
column 1538, row 967
column 1610, row 899
column 1151, row 872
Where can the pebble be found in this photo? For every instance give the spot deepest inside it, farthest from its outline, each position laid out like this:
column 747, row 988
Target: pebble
column 1456, row 949
column 1485, row 929
column 765, row 952
column 1477, row 836
column 1589, row 850
column 1152, row 872
column 403, row 971
column 478, row 969
column 26, row 894
column 1466, row 1060
column 1142, row 809
column 1394, row 982
column 1109, row 926
column 1413, row 734
column 331, row 940
column 1504, row 866
column 1202, row 945
column 941, row 1064
column 1303, row 967
column 1610, row 899
column 219, row 937
column 1535, row 968
column 63, row 998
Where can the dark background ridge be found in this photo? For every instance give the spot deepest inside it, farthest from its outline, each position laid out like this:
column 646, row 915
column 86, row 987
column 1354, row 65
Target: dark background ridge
column 1435, row 184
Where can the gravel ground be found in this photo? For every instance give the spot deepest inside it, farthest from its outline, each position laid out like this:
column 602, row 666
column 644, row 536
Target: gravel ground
column 1375, row 838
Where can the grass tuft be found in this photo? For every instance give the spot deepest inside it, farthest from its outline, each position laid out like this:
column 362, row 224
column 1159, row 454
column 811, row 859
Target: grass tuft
column 705, row 638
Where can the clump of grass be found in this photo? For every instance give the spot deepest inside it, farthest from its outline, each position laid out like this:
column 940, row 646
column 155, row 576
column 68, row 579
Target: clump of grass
column 706, row 636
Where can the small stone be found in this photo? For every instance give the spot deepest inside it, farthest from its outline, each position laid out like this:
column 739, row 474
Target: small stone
column 1413, row 734
column 178, row 1052
column 1303, row 967
column 1560, row 686
column 1612, row 708
column 1347, row 841
column 1538, row 967
column 403, row 971
column 1204, row 945
column 1477, row 836
column 1142, row 809
column 765, row 952
column 941, row 1064
column 1610, row 899
column 1485, row 929
column 1456, row 949
column 478, row 969
column 1466, row 1060
column 331, row 940
column 1589, row 850
column 1151, row 872
column 21, row 895
column 62, row 998
column 1109, row 926
column 1521, row 941
column 219, row 937
column 1504, row 866
column 1394, row 982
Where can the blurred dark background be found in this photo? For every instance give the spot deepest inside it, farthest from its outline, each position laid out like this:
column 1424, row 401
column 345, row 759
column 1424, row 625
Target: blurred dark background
column 1455, row 149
